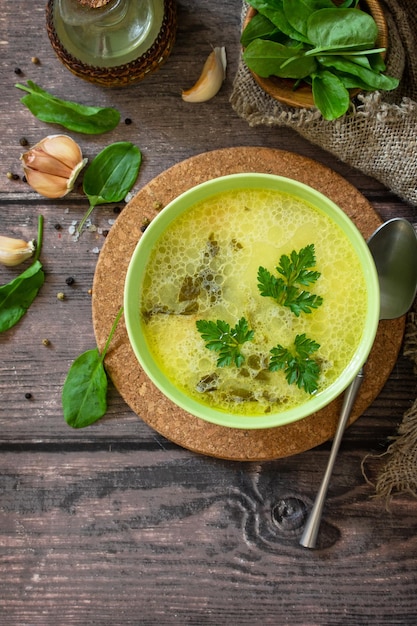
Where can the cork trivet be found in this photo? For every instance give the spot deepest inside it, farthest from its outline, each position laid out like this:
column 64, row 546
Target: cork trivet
column 134, row 386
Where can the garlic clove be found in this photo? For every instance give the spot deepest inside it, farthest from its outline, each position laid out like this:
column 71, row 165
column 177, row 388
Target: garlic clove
column 211, row 78
column 52, row 165
column 41, row 161
column 15, row 251
column 64, row 149
column 47, row 185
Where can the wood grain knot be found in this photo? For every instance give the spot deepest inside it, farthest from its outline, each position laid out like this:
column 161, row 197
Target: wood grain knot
column 289, row 513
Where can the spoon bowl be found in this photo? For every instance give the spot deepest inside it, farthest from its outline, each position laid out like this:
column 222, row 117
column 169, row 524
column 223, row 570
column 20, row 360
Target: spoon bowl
column 394, row 250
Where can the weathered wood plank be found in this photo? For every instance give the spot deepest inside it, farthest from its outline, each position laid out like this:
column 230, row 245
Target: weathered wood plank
column 173, row 538
column 114, row 524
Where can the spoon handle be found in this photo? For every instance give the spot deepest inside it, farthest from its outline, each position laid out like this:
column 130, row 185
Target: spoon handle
column 311, row 529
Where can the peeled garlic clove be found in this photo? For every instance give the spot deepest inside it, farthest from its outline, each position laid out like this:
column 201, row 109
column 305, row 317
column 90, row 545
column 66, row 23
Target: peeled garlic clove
column 52, row 166
column 211, row 78
column 15, row 251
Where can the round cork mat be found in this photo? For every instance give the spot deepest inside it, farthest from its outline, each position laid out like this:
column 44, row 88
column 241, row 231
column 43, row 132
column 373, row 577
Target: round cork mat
column 140, row 393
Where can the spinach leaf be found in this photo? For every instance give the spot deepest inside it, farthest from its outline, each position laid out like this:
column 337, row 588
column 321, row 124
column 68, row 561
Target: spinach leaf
column 330, row 95
column 70, row 115
column 17, row 296
column 347, row 4
column 368, row 77
column 260, row 27
column 84, row 394
column 111, row 174
column 269, row 58
column 274, row 11
column 341, row 28
column 297, row 13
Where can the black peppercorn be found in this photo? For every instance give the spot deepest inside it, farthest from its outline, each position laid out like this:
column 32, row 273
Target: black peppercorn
column 117, row 209
column 17, row 70
column 28, row 396
column 23, row 141
column 57, row 226
column 70, row 280
column 128, row 121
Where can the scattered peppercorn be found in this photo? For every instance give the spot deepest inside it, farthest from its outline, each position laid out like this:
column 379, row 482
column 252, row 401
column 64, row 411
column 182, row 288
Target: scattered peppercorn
column 46, row 342
column 24, row 179
column 117, row 210
column 28, row 395
column 70, row 280
column 145, row 225
column 17, row 70
column 57, row 226
column 60, row 295
column 35, row 60
column 23, row 141
column 105, row 233
column 128, row 121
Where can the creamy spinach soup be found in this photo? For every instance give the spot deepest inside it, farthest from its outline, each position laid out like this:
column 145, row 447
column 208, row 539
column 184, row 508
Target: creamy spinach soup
column 205, row 267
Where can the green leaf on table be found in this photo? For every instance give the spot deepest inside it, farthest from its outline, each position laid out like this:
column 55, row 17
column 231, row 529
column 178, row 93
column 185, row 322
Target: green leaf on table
column 111, row 175
column 84, row 395
column 330, row 95
column 71, row 115
column 17, row 296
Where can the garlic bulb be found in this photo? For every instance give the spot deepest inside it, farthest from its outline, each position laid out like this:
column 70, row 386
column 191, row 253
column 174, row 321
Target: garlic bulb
column 211, row 78
column 52, row 166
column 15, row 251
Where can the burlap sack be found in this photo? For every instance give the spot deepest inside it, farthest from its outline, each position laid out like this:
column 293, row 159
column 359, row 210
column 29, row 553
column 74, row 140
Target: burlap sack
column 378, row 137
column 378, row 134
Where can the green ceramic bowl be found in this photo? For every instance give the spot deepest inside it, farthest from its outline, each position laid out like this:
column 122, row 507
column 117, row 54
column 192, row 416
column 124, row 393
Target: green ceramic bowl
column 135, row 279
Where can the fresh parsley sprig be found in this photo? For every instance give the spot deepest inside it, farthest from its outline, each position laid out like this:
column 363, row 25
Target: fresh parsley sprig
column 296, row 272
column 225, row 340
column 298, row 366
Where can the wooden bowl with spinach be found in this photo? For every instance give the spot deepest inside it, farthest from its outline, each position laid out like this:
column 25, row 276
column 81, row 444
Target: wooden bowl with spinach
column 317, row 53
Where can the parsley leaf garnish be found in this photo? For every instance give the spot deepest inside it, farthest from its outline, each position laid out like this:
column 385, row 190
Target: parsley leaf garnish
column 299, row 368
column 225, row 340
column 295, row 271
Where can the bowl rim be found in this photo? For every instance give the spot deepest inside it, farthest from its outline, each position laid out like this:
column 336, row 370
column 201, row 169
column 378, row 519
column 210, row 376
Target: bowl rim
column 137, row 267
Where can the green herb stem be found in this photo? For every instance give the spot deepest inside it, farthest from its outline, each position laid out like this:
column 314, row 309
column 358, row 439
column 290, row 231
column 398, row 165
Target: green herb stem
column 112, row 331
column 39, row 239
column 85, row 218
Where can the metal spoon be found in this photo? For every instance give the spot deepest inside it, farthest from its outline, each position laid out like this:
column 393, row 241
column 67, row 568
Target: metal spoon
column 394, row 249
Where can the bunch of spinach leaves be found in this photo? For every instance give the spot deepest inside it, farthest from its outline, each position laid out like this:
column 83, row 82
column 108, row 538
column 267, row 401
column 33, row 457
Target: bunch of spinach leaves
column 330, row 47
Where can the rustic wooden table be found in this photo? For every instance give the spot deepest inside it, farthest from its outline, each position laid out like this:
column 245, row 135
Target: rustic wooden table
column 114, row 524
